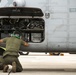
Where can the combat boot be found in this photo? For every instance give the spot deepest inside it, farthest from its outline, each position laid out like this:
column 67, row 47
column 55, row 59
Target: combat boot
column 5, row 69
column 14, row 67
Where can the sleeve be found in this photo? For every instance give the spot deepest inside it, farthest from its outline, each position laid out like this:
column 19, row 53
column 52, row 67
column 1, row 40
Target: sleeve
column 22, row 42
column 4, row 40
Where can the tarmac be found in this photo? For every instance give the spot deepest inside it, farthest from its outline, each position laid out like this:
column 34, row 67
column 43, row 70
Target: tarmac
column 44, row 64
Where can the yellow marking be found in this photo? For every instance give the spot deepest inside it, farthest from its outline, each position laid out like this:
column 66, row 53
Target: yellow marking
column 50, row 54
column 3, row 48
column 61, row 54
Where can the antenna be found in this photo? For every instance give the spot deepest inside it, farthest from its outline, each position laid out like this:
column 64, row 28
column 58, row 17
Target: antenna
column 47, row 11
column 19, row 3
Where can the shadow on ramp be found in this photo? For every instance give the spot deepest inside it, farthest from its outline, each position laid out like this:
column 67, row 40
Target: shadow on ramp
column 47, row 70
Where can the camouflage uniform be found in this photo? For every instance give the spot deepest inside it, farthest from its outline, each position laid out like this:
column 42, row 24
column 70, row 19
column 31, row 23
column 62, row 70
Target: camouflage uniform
column 12, row 50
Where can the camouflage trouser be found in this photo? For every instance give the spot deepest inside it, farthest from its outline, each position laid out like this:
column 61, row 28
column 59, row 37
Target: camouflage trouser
column 1, row 62
column 9, row 59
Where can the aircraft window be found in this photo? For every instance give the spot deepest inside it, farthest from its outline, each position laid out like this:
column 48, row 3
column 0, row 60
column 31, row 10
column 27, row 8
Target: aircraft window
column 33, row 37
column 36, row 37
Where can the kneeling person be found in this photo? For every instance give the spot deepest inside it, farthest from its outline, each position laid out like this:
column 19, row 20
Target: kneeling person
column 10, row 56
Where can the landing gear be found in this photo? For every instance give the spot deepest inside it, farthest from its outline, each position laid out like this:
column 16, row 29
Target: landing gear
column 23, row 53
column 56, row 54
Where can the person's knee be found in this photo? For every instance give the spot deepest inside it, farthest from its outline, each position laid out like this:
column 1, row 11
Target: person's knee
column 19, row 69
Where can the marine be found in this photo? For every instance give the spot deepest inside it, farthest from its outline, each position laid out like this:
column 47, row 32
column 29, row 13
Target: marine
column 10, row 56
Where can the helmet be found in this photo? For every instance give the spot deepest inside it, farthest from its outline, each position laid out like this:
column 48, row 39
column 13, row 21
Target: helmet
column 16, row 34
